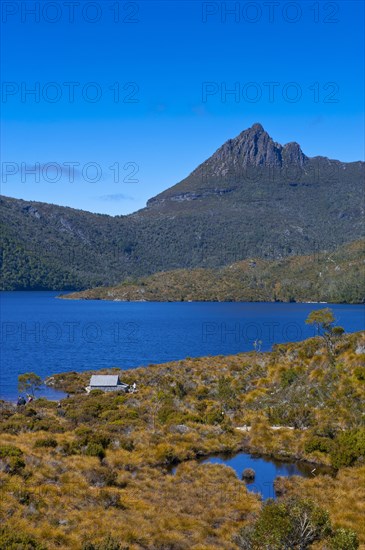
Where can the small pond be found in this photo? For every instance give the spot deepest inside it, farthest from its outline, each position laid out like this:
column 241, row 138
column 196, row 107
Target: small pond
column 266, row 470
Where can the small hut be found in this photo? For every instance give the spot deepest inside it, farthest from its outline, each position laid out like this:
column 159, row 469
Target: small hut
column 106, row 382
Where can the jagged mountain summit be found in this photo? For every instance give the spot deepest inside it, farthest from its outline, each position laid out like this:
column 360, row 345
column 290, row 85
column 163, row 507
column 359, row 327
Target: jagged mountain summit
column 254, row 157
column 254, row 147
column 253, row 198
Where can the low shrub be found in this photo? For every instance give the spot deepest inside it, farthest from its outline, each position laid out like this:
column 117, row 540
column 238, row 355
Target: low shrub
column 95, row 449
column 111, row 499
column 11, row 459
column 165, row 454
column 348, row 447
column 344, row 539
column 317, row 443
column 359, row 373
column 45, row 403
column 126, row 443
column 10, row 450
column 280, row 525
column 214, row 417
column 14, row 539
column 29, row 412
column 69, row 448
column 97, row 438
column 95, row 393
column 309, row 348
column 108, row 543
column 288, row 377
column 102, row 477
column 47, row 442
column 12, row 427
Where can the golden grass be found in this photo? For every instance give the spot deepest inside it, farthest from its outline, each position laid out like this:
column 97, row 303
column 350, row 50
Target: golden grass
column 64, row 496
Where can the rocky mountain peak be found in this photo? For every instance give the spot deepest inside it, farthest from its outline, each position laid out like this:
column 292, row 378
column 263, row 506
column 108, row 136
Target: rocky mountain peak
column 252, row 147
column 257, row 128
column 292, row 154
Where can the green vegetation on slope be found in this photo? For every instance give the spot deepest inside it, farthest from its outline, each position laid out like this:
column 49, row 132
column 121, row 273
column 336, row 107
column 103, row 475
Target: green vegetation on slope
column 334, row 277
column 21, row 269
column 93, row 473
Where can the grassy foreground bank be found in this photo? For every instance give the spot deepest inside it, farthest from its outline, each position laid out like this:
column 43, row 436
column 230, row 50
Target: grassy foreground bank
column 92, row 474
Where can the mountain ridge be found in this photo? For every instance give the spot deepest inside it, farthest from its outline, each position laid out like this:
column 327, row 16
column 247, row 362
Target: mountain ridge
column 251, row 198
column 254, row 149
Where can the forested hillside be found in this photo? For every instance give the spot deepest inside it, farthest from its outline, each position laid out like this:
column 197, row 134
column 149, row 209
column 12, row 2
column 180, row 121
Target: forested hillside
column 326, row 277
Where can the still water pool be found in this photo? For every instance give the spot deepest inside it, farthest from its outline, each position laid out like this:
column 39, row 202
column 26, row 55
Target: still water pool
column 266, row 470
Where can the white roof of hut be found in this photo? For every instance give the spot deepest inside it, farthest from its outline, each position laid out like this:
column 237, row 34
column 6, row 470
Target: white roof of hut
column 105, row 380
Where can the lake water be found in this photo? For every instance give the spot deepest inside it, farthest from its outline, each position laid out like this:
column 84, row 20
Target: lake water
column 266, row 470
column 42, row 334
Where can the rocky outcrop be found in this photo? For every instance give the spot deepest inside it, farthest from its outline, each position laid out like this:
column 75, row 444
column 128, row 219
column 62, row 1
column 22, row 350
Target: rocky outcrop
column 191, row 196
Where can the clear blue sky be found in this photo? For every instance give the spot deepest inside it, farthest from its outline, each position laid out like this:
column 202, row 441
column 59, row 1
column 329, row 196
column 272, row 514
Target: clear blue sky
column 163, row 124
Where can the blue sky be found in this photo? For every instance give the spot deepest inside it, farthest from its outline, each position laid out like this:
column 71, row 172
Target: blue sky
column 296, row 67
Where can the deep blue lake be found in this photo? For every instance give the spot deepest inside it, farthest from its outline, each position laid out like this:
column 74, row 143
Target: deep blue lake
column 42, row 334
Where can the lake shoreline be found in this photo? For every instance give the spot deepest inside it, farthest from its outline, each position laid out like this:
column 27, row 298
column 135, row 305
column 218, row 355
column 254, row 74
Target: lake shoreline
column 196, row 301
column 59, row 382
column 44, row 335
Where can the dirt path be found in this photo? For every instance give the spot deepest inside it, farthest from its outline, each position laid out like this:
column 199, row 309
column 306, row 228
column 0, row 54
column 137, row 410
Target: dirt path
column 248, row 428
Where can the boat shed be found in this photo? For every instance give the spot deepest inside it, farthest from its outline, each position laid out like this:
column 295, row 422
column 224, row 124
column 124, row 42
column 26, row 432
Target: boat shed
column 106, row 382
